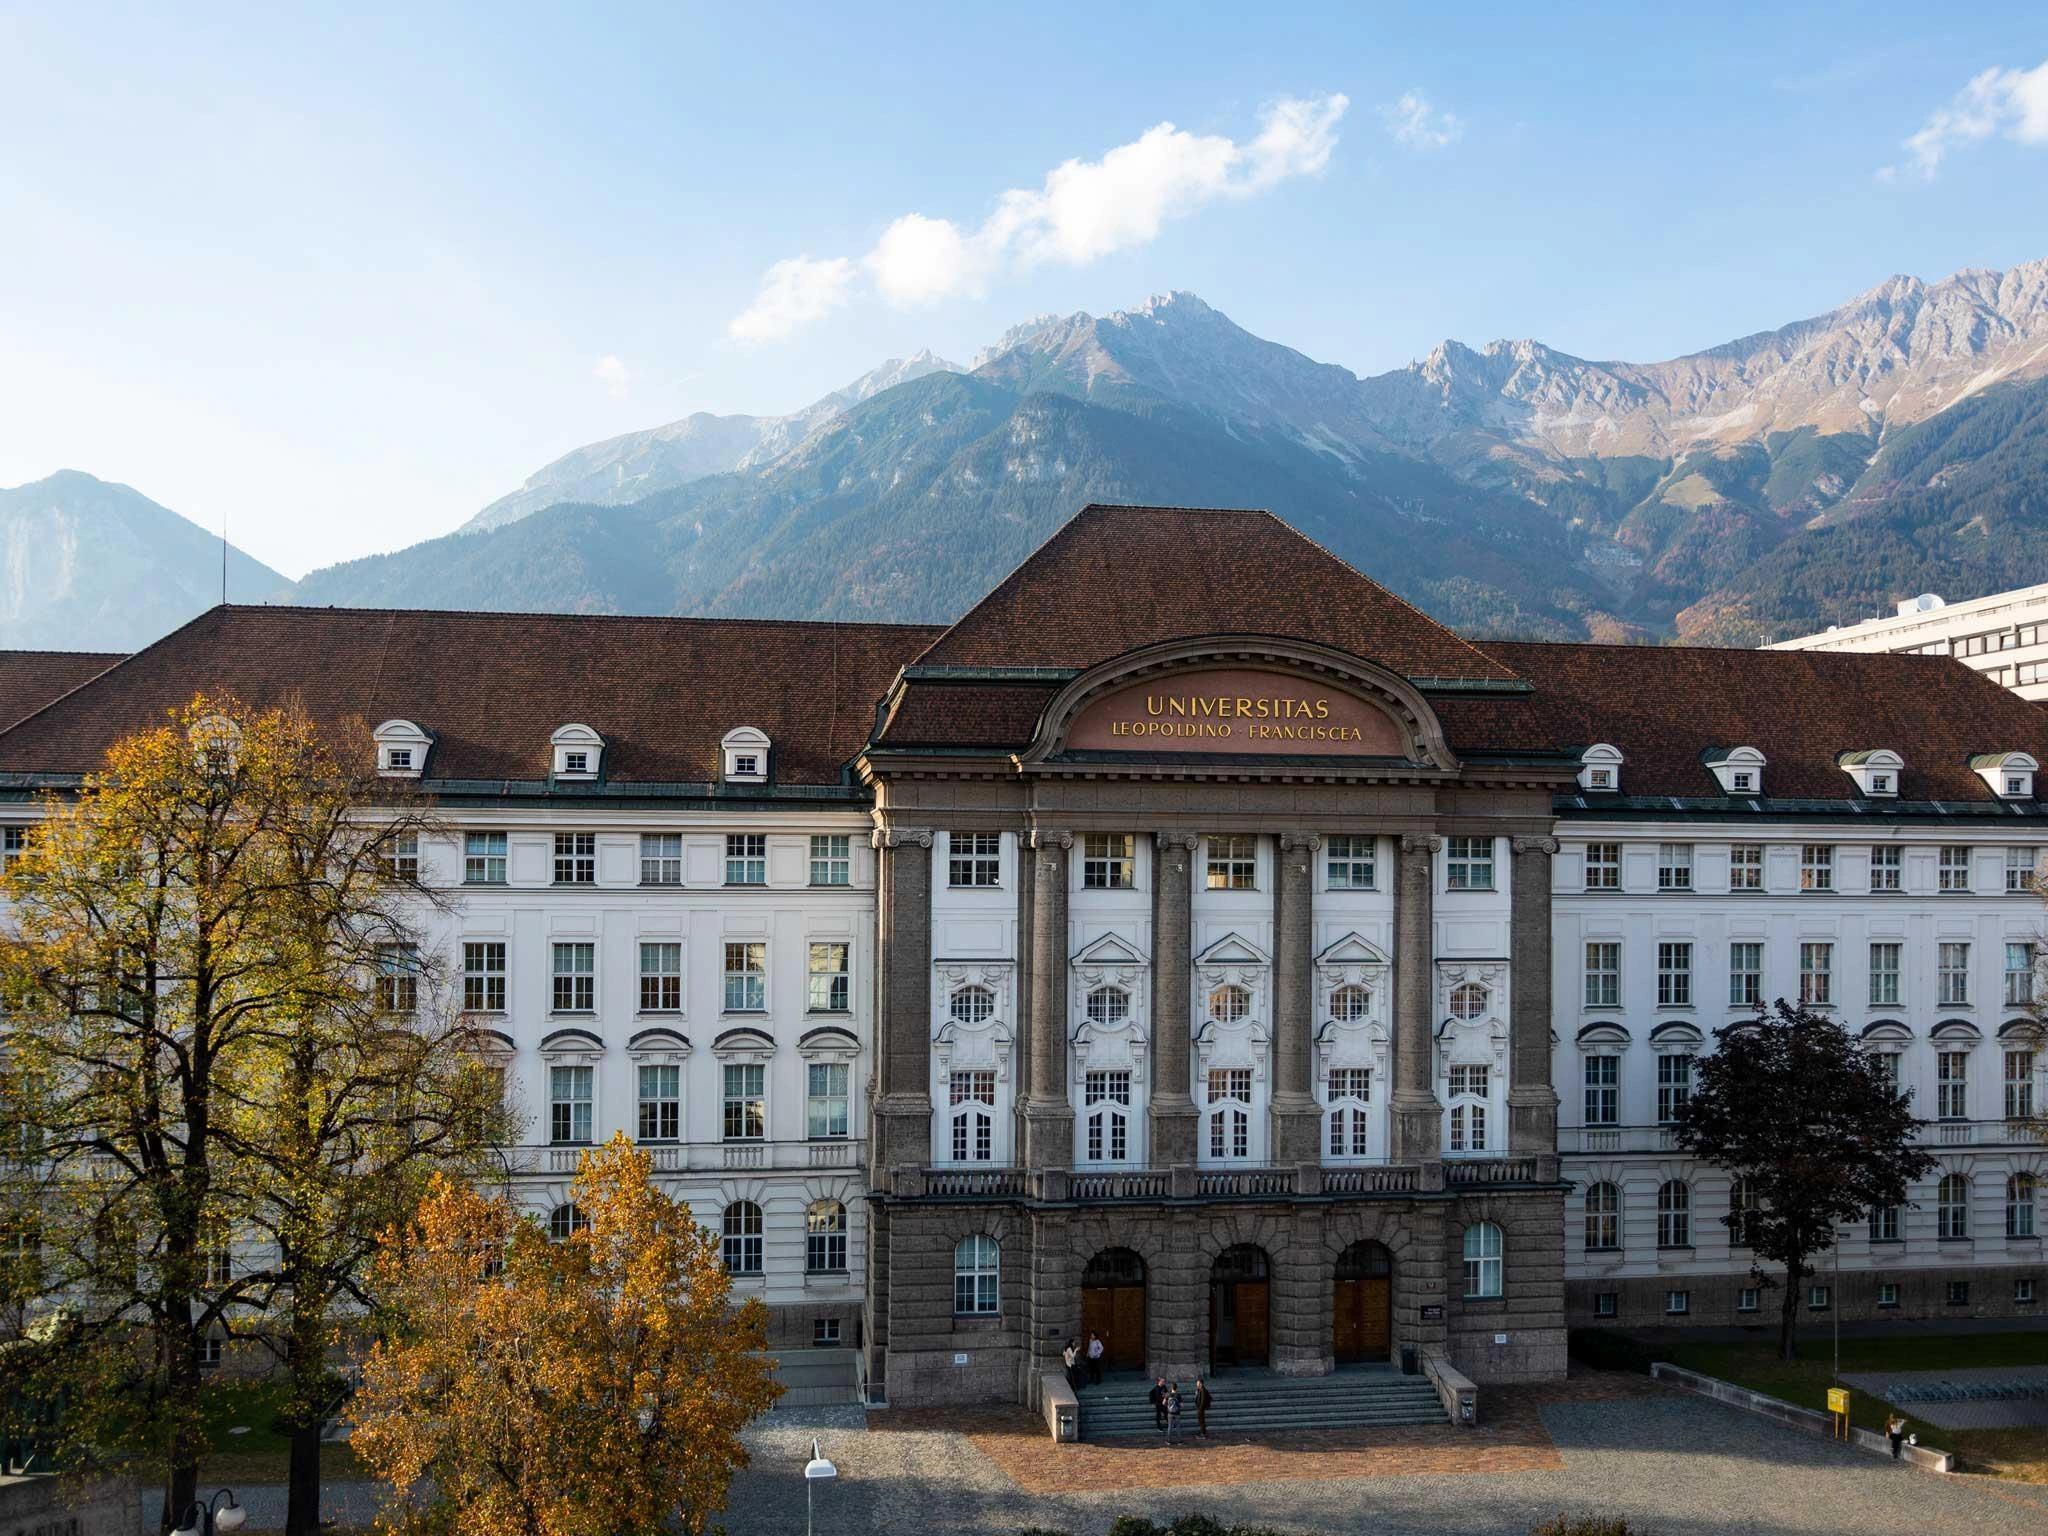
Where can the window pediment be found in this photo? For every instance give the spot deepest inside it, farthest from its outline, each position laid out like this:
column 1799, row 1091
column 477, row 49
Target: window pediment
column 571, row 1042
column 1957, row 1034
column 1232, row 952
column 1886, row 1031
column 1603, row 1035
column 659, row 1045
column 1676, row 1036
column 744, row 1044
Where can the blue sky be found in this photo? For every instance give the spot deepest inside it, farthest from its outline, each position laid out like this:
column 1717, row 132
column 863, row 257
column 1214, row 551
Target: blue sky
column 344, row 275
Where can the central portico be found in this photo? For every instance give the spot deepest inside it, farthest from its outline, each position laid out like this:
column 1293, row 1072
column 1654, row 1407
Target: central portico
column 1214, row 1003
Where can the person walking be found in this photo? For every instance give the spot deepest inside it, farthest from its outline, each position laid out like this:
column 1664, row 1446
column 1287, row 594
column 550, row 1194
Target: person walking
column 1203, row 1399
column 1157, row 1397
column 1095, row 1352
column 1895, row 1431
column 1173, row 1414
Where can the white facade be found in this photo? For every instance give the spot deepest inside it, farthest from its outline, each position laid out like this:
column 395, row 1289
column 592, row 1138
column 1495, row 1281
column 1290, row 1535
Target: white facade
column 2004, row 636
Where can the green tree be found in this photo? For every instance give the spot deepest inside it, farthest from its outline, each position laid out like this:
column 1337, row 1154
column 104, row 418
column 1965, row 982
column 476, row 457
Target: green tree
column 1789, row 1104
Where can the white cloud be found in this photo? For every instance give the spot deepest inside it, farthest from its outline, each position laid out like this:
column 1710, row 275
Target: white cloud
column 794, row 292
column 1085, row 210
column 2008, row 102
column 1414, row 122
column 611, row 372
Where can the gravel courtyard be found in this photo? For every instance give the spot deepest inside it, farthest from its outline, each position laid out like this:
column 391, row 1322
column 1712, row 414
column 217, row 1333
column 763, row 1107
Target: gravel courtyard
column 1675, row 1464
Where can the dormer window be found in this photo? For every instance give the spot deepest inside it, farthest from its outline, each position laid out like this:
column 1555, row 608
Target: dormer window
column 216, row 743
column 1600, row 769
column 401, row 749
column 1876, row 772
column 577, row 753
column 2010, row 774
column 1739, row 770
column 745, row 750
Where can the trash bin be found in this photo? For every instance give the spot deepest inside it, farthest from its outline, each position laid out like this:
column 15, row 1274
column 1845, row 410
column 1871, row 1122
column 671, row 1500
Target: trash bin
column 1408, row 1361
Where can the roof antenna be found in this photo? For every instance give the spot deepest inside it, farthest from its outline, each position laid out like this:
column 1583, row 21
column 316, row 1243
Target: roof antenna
column 223, row 556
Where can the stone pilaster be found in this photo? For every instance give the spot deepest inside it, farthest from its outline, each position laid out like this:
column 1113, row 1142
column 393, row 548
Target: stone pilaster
column 1297, row 1122
column 1532, row 1099
column 901, row 1124
column 1173, row 1117
column 1048, row 1113
column 1416, row 1118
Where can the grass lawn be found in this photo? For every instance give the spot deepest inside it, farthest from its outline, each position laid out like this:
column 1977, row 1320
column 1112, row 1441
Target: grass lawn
column 2014, row 1453
column 262, row 1453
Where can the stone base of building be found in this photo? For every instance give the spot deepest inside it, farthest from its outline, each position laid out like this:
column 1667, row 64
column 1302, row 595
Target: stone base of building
column 794, row 1325
column 1291, row 1286
column 1714, row 1301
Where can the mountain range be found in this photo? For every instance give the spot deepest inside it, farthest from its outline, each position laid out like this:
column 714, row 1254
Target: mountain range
column 1765, row 487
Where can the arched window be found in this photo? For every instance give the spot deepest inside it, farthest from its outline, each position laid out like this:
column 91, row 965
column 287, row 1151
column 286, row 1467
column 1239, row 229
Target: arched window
column 1108, row 1005
column 564, row 1221
column 1482, row 1259
column 1744, row 1204
column 1229, row 1112
column 1468, row 1001
column 1468, row 1083
column 977, row 1275
column 1350, row 1090
column 1228, row 1004
column 1603, row 1218
column 971, row 1096
column 1348, row 1004
column 740, row 1244
column 972, row 1005
column 1952, row 1206
column 825, row 1238
column 2019, row 1205
column 1674, row 1214
column 1106, row 1115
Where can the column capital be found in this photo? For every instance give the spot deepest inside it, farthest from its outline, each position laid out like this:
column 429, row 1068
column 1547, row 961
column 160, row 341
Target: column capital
column 1187, row 842
column 1543, row 845
column 1421, row 842
column 1042, row 837
column 1300, row 842
column 897, row 837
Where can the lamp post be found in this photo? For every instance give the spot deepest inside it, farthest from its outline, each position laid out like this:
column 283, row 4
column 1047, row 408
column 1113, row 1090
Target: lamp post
column 205, row 1519
column 816, row 1470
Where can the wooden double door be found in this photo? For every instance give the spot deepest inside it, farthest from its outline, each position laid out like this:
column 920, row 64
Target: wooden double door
column 1362, row 1305
column 1113, row 1307
column 1240, row 1295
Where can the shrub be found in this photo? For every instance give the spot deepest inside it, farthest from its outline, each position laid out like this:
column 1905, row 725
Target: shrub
column 1586, row 1525
column 1606, row 1349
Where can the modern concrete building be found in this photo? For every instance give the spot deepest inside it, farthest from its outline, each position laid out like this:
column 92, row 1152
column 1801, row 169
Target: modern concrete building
column 2004, row 636
column 1193, row 943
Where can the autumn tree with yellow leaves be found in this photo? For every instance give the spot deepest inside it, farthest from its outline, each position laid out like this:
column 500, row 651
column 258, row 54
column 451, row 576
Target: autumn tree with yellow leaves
column 592, row 1386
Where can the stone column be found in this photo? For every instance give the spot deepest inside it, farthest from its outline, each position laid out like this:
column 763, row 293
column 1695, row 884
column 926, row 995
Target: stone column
column 900, row 1132
column 1416, row 1118
column 1048, row 1113
column 1532, row 1099
column 1172, row 1113
column 1297, row 1122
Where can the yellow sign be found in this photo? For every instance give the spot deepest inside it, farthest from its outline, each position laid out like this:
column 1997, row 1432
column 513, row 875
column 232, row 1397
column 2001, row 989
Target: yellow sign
column 1838, row 1399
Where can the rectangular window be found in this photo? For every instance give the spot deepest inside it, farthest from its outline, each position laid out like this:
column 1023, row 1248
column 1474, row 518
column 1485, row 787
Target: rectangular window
column 2019, row 974
column 1887, row 865
column 746, row 858
column 746, row 1101
column 1746, row 867
column 973, row 1127
column 1816, row 975
column 831, row 982
column 1603, row 975
column 1955, row 868
column 661, row 858
column 1674, row 866
column 483, row 858
column 13, row 843
column 1819, row 1298
column 661, row 1103
column 569, row 1105
column 1351, row 1083
column 1352, row 862
column 575, row 858
column 1884, row 1224
column 1469, row 865
column 1884, row 974
column 1108, row 1134
column 1884, row 1065
column 1887, row 1293
column 1468, row 1080
column 1603, row 866
column 1674, row 975
column 2023, row 1291
column 824, row 1332
column 1953, row 974
column 2019, row 869
column 1674, row 1086
column 1957, row 1293
column 1108, row 861
column 1603, row 1090
column 2019, row 1085
column 1745, row 974
column 661, row 976
column 1606, row 1303
column 1952, row 1085
column 1677, row 1303
column 1233, row 863
column 398, row 978
column 575, row 989
column 746, row 978
column 974, row 859
column 483, row 976
column 1816, row 867
column 401, row 861
column 831, row 858
column 1746, row 1299
column 827, row 1100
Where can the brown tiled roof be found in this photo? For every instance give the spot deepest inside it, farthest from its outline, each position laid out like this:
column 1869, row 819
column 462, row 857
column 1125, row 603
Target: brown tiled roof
column 492, row 687
column 1667, row 707
column 30, row 679
column 1117, row 578
column 947, row 714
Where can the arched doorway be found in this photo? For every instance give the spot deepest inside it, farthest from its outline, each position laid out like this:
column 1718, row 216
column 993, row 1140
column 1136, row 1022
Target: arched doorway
column 1113, row 1305
column 1238, row 1291
column 1362, row 1304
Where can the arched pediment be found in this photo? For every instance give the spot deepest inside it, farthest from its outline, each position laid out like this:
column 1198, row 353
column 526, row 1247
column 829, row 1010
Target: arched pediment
column 1241, row 696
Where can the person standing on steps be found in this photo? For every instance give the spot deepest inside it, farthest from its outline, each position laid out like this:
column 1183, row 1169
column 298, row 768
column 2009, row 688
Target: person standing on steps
column 1173, row 1414
column 1157, row 1397
column 1202, row 1401
column 1072, row 1355
column 1095, row 1351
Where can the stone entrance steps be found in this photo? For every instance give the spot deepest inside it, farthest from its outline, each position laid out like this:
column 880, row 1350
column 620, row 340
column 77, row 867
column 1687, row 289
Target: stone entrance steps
column 1255, row 1402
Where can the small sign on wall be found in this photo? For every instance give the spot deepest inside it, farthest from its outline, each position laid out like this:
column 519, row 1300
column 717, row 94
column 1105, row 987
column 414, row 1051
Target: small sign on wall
column 1432, row 1314
column 959, row 1359
column 1500, row 1338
